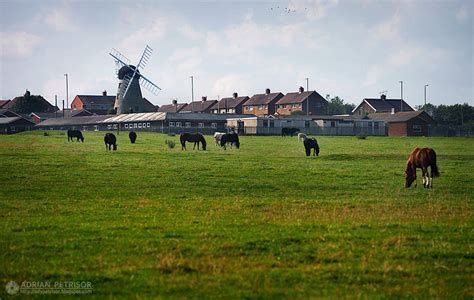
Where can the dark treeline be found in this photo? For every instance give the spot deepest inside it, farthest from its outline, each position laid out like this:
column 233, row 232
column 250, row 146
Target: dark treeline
column 451, row 115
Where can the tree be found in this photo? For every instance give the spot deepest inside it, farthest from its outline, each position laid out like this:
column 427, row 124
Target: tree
column 338, row 107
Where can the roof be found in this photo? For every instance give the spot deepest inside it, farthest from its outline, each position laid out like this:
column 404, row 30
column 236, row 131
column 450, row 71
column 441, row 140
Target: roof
column 7, row 113
column 11, row 103
column 298, row 97
column 261, row 99
column 3, row 102
column 97, row 99
column 386, row 105
column 9, row 120
column 230, row 102
column 203, row 116
column 87, row 120
column 171, row 107
column 59, row 114
column 148, row 105
column 135, row 117
column 199, row 106
column 403, row 116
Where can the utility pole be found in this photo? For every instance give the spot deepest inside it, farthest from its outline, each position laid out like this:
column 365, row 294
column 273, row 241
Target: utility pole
column 67, row 91
column 401, row 95
column 56, row 104
column 192, row 93
column 307, row 100
column 425, row 94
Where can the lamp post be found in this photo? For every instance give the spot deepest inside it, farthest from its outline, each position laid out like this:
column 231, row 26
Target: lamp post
column 401, row 95
column 192, row 93
column 67, row 91
column 425, row 93
column 307, row 100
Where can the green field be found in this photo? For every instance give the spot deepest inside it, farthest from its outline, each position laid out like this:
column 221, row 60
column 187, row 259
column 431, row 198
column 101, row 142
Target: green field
column 264, row 221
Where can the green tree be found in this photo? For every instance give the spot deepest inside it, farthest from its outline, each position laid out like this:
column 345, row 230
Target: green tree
column 338, row 107
column 31, row 103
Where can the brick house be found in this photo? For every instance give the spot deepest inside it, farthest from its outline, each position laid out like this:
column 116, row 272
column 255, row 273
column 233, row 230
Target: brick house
column 173, row 107
column 203, row 106
column 230, row 105
column 381, row 105
column 97, row 104
column 262, row 104
column 309, row 102
column 406, row 123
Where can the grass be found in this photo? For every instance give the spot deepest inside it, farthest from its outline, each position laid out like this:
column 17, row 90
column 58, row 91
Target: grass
column 264, row 221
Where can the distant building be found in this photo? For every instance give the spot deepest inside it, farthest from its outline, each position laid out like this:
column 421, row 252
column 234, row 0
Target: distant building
column 28, row 101
column 173, row 107
column 407, row 123
column 97, row 104
column 262, row 104
column 10, row 125
column 3, row 103
column 381, row 105
column 203, row 106
column 231, row 105
column 38, row 117
column 309, row 102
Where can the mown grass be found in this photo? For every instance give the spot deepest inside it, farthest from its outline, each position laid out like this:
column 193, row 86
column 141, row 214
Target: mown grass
column 264, row 221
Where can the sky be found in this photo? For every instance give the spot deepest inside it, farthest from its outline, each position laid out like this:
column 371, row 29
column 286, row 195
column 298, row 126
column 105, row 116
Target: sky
column 353, row 49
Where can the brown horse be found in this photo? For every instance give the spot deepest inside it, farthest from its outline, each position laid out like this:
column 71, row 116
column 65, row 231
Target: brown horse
column 195, row 138
column 421, row 158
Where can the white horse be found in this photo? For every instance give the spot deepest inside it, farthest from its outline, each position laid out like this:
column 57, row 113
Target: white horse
column 301, row 136
column 218, row 137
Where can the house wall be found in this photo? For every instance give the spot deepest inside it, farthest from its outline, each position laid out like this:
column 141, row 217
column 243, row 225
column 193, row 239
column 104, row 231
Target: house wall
column 363, row 109
column 77, row 103
column 397, row 129
column 316, row 106
column 417, row 127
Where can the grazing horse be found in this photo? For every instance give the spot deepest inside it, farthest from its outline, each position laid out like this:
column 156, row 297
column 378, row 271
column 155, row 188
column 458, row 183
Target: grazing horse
column 195, row 138
column 289, row 131
column 232, row 138
column 421, row 158
column 301, row 136
column 217, row 138
column 132, row 136
column 311, row 144
column 110, row 140
column 74, row 134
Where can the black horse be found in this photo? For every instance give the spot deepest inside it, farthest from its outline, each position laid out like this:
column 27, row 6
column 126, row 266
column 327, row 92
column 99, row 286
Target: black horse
column 195, row 138
column 232, row 138
column 132, row 136
column 74, row 134
column 289, row 131
column 311, row 144
column 110, row 140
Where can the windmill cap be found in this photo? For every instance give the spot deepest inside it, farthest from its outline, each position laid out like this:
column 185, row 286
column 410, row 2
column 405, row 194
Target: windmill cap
column 127, row 70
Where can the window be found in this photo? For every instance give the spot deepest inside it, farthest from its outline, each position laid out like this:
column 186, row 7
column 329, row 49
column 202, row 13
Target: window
column 130, row 126
column 376, row 125
column 187, row 124
column 295, row 105
column 333, row 123
column 370, row 124
column 135, row 125
column 213, row 125
column 306, row 124
column 200, row 125
column 139, row 125
column 171, row 124
column 109, row 126
column 250, row 108
column 178, row 124
column 318, row 104
column 265, row 123
column 260, row 107
column 115, row 126
column 126, row 125
column 416, row 128
column 272, row 123
column 148, row 125
column 144, row 125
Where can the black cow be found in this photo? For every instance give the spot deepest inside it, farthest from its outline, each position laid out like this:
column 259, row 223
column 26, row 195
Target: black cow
column 289, row 131
column 110, row 140
column 311, row 144
column 132, row 136
column 231, row 138
column 74, row 134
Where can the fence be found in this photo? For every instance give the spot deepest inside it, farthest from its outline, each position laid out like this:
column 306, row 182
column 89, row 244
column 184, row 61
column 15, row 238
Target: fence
column 448, row 131
column 329, row 131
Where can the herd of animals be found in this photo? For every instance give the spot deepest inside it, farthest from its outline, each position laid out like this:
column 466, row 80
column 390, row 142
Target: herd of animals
column 422, row 158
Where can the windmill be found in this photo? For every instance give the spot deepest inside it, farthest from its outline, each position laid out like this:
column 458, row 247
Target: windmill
column 129, row 95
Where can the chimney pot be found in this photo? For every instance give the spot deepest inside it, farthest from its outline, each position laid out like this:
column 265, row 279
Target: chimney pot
column 393, row 110
column 235, row 95
column 175, row 102
column 267, row 91
column 104, row 93
column 301, row 89
column 383, row 97
column 203, row 98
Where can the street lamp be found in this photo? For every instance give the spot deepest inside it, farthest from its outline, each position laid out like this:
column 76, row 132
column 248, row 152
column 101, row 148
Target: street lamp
column 425, row 93
column 307, row 100
column 192, row 93
column 401, row 95
column 67, row 91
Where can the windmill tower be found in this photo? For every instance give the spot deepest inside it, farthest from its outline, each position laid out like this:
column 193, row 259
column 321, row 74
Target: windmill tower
column 129, row 95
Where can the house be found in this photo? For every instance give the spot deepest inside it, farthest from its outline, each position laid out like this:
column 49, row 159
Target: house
column 309, row 103
column 10, row 125
column 203, row 106
column 5, row 113
column 97, row 104
column 229, row 105
column 27, row 101
column 382, row 105
column 173, row 107
column 38, row 117
column 262, row 104
column 406, row 123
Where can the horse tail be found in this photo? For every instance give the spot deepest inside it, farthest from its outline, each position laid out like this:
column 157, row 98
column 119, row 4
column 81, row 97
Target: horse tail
column 434, row 166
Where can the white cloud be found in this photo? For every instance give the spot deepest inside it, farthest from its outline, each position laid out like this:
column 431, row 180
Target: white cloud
column 312, row 9
column 226, row 85
column 60, row 19
column 18, row 44
column 134, row 43
column 463, row 13
column 404, row 55
column 186, row 60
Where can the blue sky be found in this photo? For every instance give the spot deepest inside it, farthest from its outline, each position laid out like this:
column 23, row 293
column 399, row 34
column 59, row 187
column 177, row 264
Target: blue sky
column 352, row 49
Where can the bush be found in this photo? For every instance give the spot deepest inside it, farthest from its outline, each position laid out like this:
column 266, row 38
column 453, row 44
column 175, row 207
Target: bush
column 171, row 144
column 171, row 134
column 361, row 136
column 46, row 134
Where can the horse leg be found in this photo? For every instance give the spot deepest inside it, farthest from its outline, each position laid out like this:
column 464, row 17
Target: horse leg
column 431, row 178
column 183, row 145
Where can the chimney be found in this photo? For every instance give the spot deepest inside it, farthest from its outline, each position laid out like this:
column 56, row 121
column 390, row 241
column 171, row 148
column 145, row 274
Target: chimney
column 203, row 98
column 104, row 93
column 383, row 97
column 235, row 95
column 301, row 89
column 267, row 91
column 175, row 102
column 393, row 110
